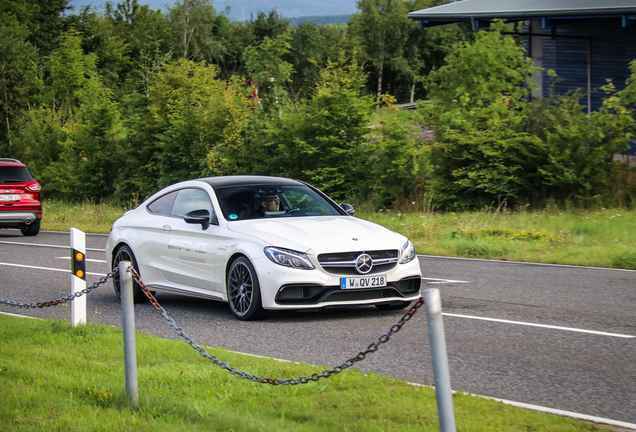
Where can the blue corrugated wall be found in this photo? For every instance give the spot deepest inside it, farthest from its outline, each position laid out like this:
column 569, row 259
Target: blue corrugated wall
column 613, row 47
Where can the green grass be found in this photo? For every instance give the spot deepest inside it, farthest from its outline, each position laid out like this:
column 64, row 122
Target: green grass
column 86, row 216
column 54, row 377
column 599, row 238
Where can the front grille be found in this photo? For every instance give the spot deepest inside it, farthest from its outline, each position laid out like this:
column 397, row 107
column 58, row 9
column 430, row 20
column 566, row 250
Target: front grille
column 351, row 271
column 344, row 263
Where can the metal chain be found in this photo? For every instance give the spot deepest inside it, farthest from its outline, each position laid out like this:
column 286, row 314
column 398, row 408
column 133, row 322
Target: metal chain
column 292, row 381
column 32, row 305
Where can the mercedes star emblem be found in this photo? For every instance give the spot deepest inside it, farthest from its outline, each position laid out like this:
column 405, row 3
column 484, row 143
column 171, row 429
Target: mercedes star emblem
column 364, row 263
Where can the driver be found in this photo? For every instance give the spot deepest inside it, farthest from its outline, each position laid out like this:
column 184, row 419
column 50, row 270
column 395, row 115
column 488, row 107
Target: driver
column 269, row 203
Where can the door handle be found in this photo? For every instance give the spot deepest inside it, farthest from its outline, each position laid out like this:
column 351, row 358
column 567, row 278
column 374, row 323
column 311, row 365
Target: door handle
column 166, row 228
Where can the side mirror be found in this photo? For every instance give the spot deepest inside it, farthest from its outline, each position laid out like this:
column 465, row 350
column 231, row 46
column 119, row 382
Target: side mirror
column 198, row 217
column 348, row 208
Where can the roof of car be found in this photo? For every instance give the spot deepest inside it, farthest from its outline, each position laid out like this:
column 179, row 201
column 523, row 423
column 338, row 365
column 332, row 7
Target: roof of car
column 245, row 180
column 10, row 162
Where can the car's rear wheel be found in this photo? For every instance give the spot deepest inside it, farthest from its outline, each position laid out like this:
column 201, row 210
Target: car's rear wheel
column 394, row 305
column 32, row 229
column 243, row 291
column 124, row 253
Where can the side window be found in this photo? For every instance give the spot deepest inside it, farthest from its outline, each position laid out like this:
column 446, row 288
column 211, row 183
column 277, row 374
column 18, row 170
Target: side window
column 163, row 205
column 191, row 199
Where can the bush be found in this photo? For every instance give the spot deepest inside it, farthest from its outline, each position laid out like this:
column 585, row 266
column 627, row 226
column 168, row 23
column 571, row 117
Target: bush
column 493, row 146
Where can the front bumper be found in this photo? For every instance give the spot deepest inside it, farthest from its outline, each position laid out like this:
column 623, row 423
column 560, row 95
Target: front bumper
column 283, row 288
column 304, row 294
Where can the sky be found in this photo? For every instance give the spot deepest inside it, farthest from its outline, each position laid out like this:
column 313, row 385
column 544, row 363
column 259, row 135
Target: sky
column 241, row 9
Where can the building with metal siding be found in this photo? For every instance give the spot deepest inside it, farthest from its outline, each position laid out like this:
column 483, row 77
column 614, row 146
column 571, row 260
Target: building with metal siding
column 598, row 47
column 586, row 42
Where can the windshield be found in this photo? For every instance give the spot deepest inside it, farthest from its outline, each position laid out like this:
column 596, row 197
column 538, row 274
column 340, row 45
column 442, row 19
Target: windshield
column 253, row 202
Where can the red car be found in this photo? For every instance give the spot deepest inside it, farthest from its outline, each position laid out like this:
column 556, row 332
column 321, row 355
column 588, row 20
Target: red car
column 20, row 205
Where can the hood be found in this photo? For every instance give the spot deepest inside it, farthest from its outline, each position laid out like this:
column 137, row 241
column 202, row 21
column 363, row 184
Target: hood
column 320, row 233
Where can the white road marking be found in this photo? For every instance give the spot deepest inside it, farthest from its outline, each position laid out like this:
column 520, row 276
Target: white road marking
column 525, row 263
column 442, row 281
column 594, row 332
column 87, row 259
column 48, row 268
column 49, row 245
column 562, row 413
column 577, row 416
column 552, row 327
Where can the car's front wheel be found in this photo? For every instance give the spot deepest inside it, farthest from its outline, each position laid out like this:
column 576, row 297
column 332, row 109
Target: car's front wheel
column 124, row 253
column 243, row 291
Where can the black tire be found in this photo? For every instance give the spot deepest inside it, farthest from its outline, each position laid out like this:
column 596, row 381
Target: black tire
column 32, row 229
column 394, row 305
column 124, row 253
column 244, row 291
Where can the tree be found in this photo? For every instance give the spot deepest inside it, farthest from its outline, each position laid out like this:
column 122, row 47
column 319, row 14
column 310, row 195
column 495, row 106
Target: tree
column 42, row 19
column 99, row 37
column 270, row 25
column 89, row 163
column 148, row 39
column 481, row 154
column 195, row 24
column 398, row 168
column 381, row 29
column 69, row 70
column 307, row 57
column 83, row 108
column 19, row 78
column 493, row 145
column 271, row 73
column 189, row 115
column 321, row 140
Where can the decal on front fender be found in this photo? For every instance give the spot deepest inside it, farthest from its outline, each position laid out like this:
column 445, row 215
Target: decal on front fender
column 188, row 246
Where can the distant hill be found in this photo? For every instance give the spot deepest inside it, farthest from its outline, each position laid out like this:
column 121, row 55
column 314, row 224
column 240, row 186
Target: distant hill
column 327, row 19
column 240, row 10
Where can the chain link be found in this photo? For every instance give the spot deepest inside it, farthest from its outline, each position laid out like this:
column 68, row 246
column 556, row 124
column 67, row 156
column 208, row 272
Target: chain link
column 68, row 298
column 291, row 381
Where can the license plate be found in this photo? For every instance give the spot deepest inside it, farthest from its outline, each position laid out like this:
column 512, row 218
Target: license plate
column 363, row 282
column 9, row 197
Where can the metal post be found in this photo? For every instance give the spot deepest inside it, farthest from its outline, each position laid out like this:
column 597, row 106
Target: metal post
column 128, row 320
column 439, row 356
column 78, row 279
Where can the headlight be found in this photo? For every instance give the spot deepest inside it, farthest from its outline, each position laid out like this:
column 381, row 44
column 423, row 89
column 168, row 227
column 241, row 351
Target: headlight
column 407, row 252
column 288, row 258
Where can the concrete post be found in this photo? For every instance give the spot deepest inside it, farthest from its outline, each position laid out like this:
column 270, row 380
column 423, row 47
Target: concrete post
column 439, row 356
column 128, row 321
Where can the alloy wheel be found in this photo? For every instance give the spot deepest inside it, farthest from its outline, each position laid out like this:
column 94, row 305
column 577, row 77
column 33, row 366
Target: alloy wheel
column 241, row 288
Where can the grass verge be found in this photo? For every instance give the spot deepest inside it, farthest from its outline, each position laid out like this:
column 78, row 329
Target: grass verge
column 598, row 238
column 54, row 377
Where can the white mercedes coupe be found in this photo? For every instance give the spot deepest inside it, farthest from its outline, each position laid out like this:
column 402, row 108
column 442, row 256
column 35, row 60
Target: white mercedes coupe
column 262, row 243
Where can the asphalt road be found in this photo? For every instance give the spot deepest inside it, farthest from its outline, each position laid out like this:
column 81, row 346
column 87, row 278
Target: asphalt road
column 554, row 336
